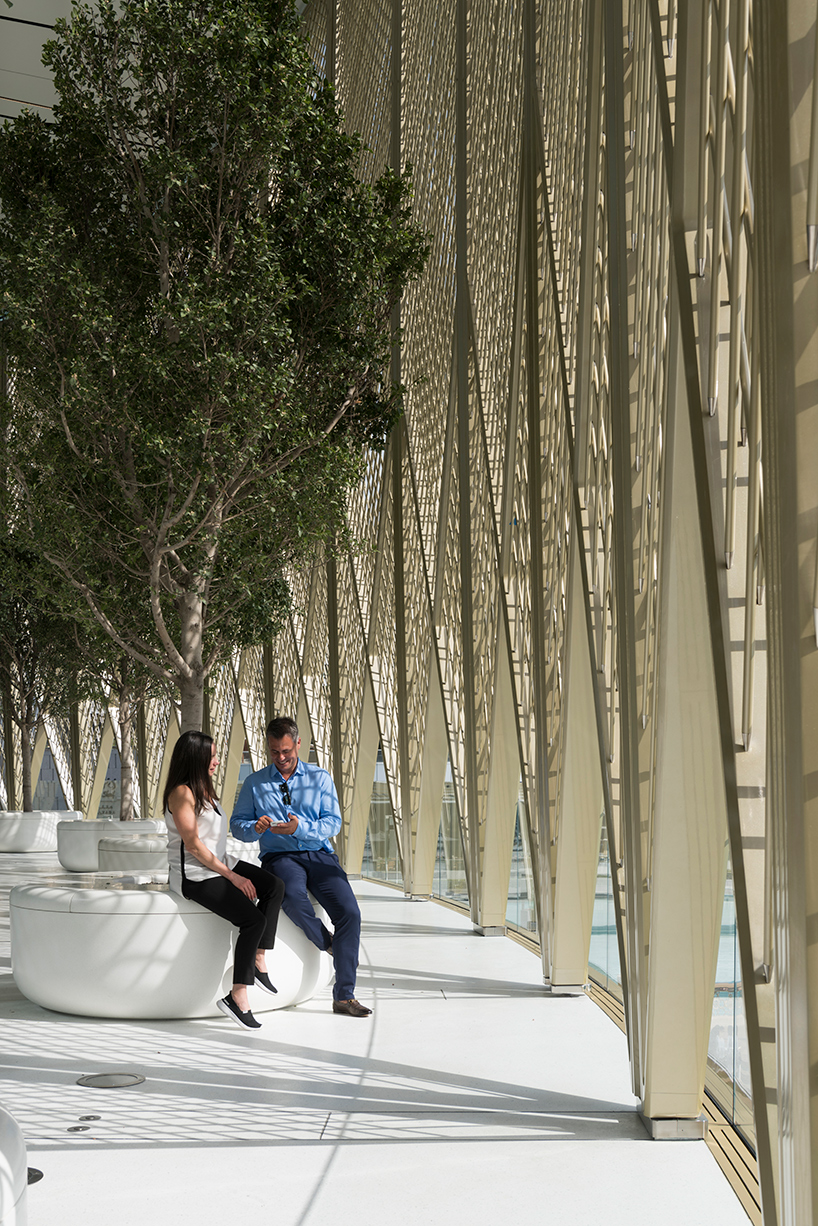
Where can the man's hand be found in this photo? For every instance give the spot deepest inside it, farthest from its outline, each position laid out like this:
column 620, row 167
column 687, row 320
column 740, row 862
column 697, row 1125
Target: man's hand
column 288, row 827
column 265, row 823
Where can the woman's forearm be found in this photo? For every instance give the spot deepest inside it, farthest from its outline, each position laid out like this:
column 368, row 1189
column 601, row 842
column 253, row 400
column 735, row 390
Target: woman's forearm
column 205, row 857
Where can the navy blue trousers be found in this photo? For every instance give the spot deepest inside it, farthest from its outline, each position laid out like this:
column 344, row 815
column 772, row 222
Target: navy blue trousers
column 321, row 874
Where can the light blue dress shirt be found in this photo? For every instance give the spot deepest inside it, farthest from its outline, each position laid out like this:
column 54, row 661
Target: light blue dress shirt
column 313, row 801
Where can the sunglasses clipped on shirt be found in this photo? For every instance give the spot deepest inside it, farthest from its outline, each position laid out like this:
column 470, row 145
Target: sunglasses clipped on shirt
column 285, row 793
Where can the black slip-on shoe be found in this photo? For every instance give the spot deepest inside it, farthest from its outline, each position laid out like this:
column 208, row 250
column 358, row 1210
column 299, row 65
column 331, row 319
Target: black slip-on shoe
column 263, row 982
column 230, row 1009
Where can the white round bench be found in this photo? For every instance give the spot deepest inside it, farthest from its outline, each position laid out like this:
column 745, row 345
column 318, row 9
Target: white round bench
column 13, row 1172
column 35, row 831
column 137, row 854
column 78, row 842
column 248, row 852
column 143, row 952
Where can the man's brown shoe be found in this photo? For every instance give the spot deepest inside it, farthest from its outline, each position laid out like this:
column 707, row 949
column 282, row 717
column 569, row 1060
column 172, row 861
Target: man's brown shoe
column 352, row 1008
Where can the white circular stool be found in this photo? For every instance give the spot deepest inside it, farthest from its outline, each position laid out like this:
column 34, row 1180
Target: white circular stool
column 78, row 842
column 13, row 1172
column 35, row 831
column 143, row 952
column 137, row 854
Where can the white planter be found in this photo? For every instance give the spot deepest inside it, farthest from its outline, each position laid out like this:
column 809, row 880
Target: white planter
column 78, row 842
column 35, row 831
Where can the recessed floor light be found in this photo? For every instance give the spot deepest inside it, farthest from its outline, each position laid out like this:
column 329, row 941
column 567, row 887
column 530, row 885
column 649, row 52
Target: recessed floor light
column 78, row 1128
column 89, row 1117
column 34, row 1176
column 110, row 1081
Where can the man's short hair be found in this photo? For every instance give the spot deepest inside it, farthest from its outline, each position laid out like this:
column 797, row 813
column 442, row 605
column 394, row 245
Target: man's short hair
column 282, row 726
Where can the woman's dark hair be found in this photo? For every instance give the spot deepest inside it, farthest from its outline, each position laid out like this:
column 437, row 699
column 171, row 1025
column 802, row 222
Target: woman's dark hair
column 190, row 765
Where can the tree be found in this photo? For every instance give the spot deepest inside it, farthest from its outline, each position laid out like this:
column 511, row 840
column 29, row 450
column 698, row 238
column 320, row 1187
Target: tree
column 198, row 293
column 36, row 661
column 52, row 654
column 104, row 672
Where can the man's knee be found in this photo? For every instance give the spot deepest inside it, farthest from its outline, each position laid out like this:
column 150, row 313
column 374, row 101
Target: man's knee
column 297, row 906
column 345, row 910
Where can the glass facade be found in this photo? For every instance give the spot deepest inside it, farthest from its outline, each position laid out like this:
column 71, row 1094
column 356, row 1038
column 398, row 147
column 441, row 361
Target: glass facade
column 381, row 860
column 48, row 793
column 245, row 769
column 111, row 788
column 603, row 959
column 727, row 1078
column 521, row 909
column 450, row 865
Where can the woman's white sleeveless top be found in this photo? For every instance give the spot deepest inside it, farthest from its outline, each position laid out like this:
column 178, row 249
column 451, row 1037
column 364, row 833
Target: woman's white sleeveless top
column 212, row 823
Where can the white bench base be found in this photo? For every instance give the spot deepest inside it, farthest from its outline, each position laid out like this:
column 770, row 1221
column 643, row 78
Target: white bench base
column 78, row 842
column 35, row 831
column 143, row 952
column 137, row 854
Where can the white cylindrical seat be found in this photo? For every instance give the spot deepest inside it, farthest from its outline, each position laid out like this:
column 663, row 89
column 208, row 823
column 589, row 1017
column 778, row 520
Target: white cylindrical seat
column 135, row 854
column 78, row 842
column 249, row 852
column 13, row 1172
column 143, row 952
column 35, row 831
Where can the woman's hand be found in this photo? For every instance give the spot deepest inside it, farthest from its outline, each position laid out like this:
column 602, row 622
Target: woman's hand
column 244, row 884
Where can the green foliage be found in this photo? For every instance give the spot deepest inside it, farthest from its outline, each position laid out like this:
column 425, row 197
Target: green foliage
column 37, row 653
column 197, row 295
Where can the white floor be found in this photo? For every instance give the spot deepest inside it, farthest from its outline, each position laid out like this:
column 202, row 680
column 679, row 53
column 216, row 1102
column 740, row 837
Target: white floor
column 469, row 1095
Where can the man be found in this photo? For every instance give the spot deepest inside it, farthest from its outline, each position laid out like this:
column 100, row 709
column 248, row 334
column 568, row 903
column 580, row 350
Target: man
column 294, row 807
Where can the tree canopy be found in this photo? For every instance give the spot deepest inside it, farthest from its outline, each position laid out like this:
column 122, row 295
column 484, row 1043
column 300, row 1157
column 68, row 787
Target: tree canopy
column 37, row 654
column 197, row 292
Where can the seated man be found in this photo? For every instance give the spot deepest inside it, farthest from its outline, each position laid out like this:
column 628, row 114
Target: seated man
column 294, row 807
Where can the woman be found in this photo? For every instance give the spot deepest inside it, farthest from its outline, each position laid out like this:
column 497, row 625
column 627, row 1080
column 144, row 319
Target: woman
column 198, row 869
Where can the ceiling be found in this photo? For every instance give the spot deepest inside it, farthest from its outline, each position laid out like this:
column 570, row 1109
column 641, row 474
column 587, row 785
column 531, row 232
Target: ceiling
column 24, row 26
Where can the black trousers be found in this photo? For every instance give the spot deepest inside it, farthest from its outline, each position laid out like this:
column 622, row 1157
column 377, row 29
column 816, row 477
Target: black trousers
column 256, row 923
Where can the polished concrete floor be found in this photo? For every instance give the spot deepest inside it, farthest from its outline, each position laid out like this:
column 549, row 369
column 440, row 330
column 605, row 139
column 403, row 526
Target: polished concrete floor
column 469, row 1095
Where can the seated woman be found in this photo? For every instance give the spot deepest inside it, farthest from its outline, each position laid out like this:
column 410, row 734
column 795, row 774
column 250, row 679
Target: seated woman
column 199, row 869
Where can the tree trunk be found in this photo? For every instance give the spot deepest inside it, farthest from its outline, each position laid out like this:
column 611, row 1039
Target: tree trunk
column 8, row 739
column 126, row 745
column 26, row 730
column 191, row 689
column 191, row 693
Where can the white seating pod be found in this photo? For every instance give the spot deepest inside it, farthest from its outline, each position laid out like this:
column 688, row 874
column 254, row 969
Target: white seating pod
column 137, row 854
column 249, row 852
column 143, row 952
column 37, row 831
column 78, row 842
column 13, row 1172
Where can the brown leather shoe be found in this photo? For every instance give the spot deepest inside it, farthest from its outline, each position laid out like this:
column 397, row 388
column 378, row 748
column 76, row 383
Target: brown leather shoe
column 352, row 1008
